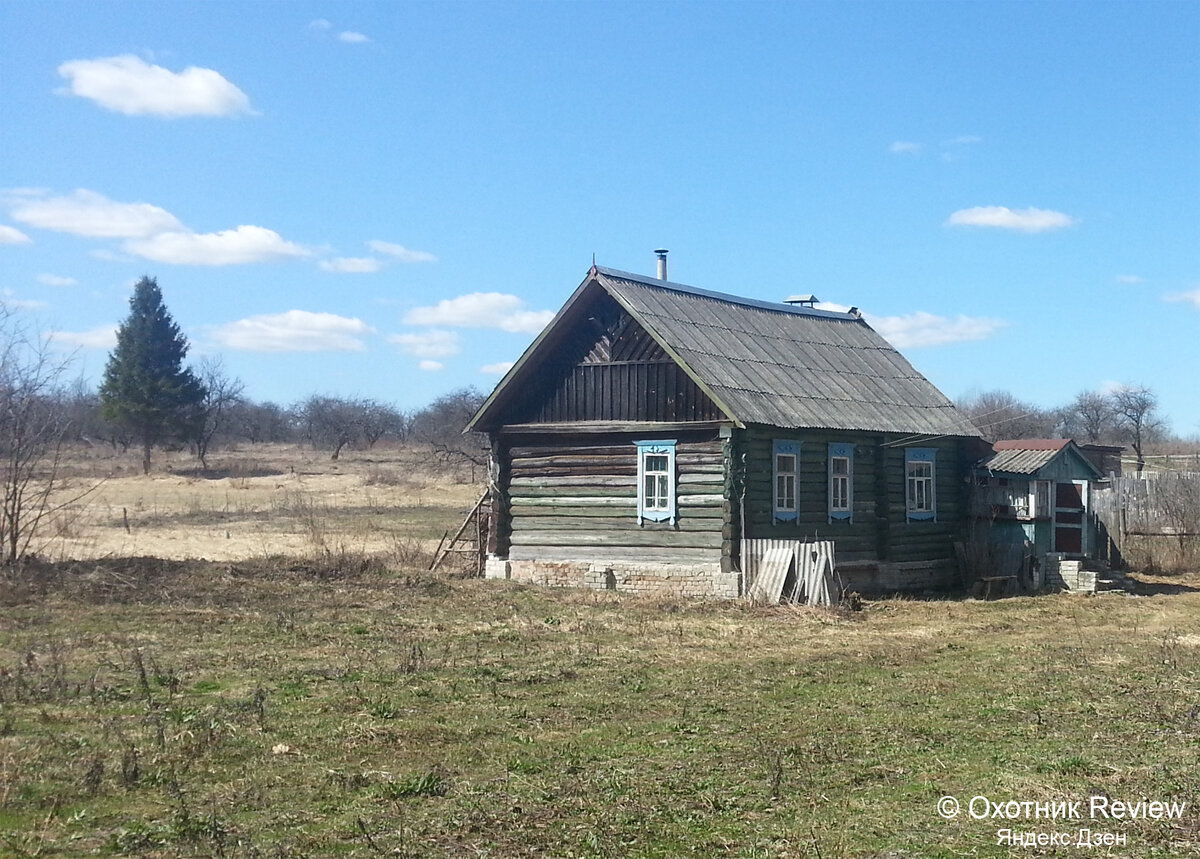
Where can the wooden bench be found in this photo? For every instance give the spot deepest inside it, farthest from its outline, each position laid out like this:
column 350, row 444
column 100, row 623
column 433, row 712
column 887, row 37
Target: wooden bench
column 990, row 581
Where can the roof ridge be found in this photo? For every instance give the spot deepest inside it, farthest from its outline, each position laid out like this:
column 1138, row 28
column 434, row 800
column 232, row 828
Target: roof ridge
column 760, row 304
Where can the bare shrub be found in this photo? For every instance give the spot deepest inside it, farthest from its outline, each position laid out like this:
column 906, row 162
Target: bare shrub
column 409, row 553
column 379, row 476
column 33, row 429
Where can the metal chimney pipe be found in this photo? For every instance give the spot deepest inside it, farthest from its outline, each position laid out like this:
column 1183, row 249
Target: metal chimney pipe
column 662, row 263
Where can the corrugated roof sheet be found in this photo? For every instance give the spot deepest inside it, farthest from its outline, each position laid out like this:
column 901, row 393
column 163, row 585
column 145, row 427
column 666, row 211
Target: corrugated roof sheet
column 786, row 366
column 1018, row 461
column 1032, row 444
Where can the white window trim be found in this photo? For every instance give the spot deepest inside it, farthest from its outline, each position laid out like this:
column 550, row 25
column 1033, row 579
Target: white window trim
column 840, row 450
column 926, row 455
column 786, row 448
column 656, row 447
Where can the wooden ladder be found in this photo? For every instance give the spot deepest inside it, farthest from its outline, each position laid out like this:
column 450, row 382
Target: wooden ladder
column 471, row 538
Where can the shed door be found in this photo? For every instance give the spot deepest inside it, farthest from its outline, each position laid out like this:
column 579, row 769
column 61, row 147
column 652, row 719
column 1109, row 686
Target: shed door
column 1070, row 513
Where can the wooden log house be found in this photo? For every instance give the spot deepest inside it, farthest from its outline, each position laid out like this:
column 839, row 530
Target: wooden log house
column 655, row 437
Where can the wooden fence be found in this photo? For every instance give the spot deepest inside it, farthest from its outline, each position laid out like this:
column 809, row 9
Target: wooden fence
column 1165, row 505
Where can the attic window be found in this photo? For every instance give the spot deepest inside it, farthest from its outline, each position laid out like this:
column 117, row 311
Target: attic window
column 656, row 481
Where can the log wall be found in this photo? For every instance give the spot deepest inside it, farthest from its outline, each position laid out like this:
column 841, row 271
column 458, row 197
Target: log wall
column 879, row 532
column 572, row 501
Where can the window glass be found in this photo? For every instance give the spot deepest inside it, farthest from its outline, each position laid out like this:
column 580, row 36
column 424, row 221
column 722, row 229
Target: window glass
column 839, row 484
column 785, row 482
column 921, row 487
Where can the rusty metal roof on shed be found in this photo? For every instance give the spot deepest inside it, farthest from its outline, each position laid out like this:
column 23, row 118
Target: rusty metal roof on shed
column 767, row 363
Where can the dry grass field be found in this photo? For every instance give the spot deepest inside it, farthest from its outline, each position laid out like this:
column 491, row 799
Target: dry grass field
column 329, row 703
column 258, row 501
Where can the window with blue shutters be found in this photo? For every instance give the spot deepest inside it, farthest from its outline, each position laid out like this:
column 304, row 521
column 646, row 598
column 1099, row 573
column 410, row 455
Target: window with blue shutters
column 785, row 470
column 920, row 486
column 841, row 482
column 656, row 481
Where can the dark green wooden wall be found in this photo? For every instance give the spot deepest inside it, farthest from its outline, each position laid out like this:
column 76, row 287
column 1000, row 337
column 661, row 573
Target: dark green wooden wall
column 879, row 530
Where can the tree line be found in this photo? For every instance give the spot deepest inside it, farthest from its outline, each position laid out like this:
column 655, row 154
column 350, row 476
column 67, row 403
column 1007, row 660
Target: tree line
column 150, row 398
column 1127, row 415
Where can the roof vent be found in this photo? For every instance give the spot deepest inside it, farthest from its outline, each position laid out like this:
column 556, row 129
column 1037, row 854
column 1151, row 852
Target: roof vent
column 801, row 300
column 662, row 263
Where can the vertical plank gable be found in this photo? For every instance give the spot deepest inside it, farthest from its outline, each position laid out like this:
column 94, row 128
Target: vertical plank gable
column 609, row 368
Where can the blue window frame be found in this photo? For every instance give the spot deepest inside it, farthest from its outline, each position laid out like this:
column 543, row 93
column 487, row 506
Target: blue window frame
column 656, row 481
column 785, row 474
column 920, row 484
column 841, row 482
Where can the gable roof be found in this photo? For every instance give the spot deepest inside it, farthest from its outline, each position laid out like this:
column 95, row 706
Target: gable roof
column 761, row 362
column 1031, row 455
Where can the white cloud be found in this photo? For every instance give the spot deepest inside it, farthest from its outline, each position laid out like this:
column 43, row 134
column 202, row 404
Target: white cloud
column 104, row 337
column 352, row 38
column 320, row 25
column 905, row 147
column 86, row 213
column 56, row 280
column 926, row 329
column 129, row 85
column 1026, row 220
column 9, row 300
column 497, row 369
column 241, row 245
column 294, row 331
column 1191, row 296
column 12, row 236
column 963, row 140
column 482, row 310
column 434, row 343
column 431, row 365
column 1130, row 279
column 351, row 265
column 400, row 252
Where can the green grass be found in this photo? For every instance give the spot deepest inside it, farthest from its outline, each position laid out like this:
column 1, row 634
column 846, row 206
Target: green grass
column 193, row 709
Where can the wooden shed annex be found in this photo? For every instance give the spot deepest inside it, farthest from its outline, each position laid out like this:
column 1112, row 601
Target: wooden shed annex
column 1032, row 501
column 655, row 435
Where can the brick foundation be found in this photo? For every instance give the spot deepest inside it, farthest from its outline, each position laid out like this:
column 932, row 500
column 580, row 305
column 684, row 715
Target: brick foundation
column 691, row 580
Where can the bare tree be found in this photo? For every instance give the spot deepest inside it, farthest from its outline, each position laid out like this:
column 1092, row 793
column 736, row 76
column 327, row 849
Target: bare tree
column 379, row 420
column 221, row 393
column 1136, row 408
column 261, row 422
column 33, row 429
column 1000, row 415
column 1092, row 416
column 441, row 423
column 330, row 423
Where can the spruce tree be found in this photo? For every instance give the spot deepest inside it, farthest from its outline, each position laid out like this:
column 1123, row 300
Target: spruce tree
column 146, row 387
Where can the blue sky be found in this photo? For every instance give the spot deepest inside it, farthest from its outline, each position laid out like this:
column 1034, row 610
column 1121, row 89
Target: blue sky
column 390, row 199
